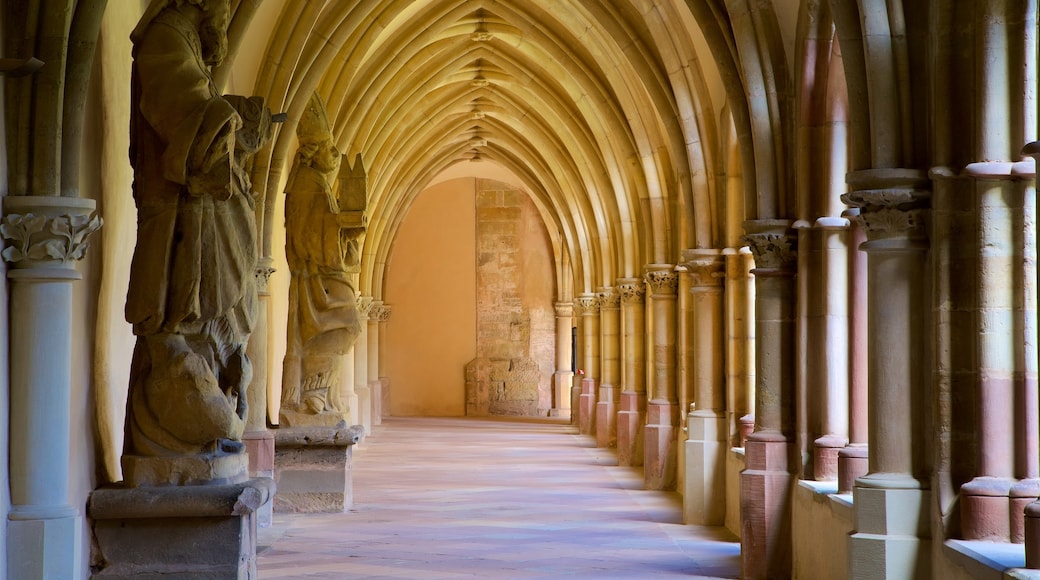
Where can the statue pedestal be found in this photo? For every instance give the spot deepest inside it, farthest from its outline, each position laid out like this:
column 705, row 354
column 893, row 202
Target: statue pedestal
column 181, row 531
column 312, row 468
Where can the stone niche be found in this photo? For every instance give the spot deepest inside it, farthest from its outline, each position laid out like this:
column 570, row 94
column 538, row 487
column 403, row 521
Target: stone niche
column 512, row 371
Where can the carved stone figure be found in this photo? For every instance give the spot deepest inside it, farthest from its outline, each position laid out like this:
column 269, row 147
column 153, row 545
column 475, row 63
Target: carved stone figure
column 192, row 295
column 323, row 233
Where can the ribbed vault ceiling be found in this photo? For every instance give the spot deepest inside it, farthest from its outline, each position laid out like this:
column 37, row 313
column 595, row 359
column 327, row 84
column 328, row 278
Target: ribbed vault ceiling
column 602, row 110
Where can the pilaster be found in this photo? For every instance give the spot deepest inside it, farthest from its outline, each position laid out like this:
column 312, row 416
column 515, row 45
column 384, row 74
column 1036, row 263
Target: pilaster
column 707, row 436
column 891, row 537
column 609, row 391
column 631, row 417
column 765, row 484
column 45, row 239
column 662, row 411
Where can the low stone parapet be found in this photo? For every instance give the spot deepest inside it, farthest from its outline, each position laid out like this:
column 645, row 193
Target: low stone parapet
column 312, row 468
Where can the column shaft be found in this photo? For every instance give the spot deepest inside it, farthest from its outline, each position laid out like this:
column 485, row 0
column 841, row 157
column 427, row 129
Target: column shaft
column 740, row 343
column 564, row 375
column 852, row 460
column 364, row 393
column 374, row 385
column 609, row 384
column 632, row 414
column 590, row 362
column 662, row 411
column 258, row 439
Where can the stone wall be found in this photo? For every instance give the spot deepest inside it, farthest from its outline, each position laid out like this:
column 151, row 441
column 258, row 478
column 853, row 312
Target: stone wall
column 511, row 374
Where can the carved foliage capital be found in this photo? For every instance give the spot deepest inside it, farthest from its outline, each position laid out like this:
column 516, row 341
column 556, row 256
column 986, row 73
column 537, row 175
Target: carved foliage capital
column 364, row 305
column 383, row 314
column 588, row 303
column 632, row 291
column 35, row 239
column 263, row 277
column 773, row 250
column 892, row 223
column 608, row 297
column 706, row 270
column 663, row 282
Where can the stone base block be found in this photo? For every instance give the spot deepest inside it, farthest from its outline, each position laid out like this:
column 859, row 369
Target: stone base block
column 891, row 538
column 1032, row 535
column 562, row 381
column 210, row 468
column 312, row 469
column 587, row 407
column 705, row 478
column 659, row 450
column 260, row 448
column 986, row 509
column 1023, row 493
column 765, row 506
column 44, row 547
column 853, row 464
column 200, row 532
column 630, row 423
column 825, row 457
column 606, row 418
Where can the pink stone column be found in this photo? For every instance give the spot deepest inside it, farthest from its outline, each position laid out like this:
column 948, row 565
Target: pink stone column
column 609, row 385
column 631, row 417
column 564, row 376
column 1029, row 432
column 892, row 502
column 662, row 410
column 852, row 460
column 590, row 362
column 765, row 484
column 707, row 436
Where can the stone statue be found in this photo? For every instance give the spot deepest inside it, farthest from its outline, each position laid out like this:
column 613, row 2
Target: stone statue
column 192, row 299
column 323, row 236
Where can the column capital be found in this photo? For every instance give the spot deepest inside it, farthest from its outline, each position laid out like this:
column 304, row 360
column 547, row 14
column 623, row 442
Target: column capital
column 588, row 303
column 609, row 298
column 264, row 269
column 892, row 202
column 706, row 267
column 375, row 310
column 772, row 244
column 384, row 312
column 47, row 234
column 632, row 290
column 364, row 305
column 663, row 279
column 564, row 309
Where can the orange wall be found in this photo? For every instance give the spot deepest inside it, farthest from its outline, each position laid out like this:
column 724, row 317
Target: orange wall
column 431, row 286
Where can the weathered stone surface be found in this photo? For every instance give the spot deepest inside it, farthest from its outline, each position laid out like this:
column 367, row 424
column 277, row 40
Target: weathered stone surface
column 312, row 469
column 206, row 531
column 216, row 468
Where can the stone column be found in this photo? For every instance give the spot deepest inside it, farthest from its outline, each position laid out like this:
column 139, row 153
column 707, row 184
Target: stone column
column 563, row 378
column 740, row 343
column 662, row 411
column 589, row 362
column 383, row 382
column 579, row 364
column 258, row 439
column 609, row 385
column 364, row 393
column 374, row 386
column 46, row 237
column 349, row 394
column 1006, row 353
column 891, row 501
column 632, row 415
column 852, row 460
column 707, row 434
column 765, row 485
column 827, row 320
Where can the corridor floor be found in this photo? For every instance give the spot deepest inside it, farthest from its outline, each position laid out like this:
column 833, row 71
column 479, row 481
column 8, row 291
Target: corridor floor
column 472, row 498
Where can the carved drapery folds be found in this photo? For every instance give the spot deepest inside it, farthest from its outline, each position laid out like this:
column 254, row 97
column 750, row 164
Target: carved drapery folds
column 325, row 227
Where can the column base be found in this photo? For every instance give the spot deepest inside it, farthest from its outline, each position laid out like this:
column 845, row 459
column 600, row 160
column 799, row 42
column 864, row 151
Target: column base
column 705, row 477
column 49, row 546
column 659, row 451
column 630, row 424
column 853, row 463
column 1032, row 535
column 825, row 457
column 364, row 407
column 587, row 407
column 312, row 469
column 891, row 539
column 765, row 507
column 606, row 417
column 1023, row 493
column 260, row 448
column 190, row 531
column 986, row 509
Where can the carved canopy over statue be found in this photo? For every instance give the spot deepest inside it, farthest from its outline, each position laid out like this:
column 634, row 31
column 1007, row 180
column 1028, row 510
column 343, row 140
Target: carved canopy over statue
column 324, row 228
column 192, row 300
